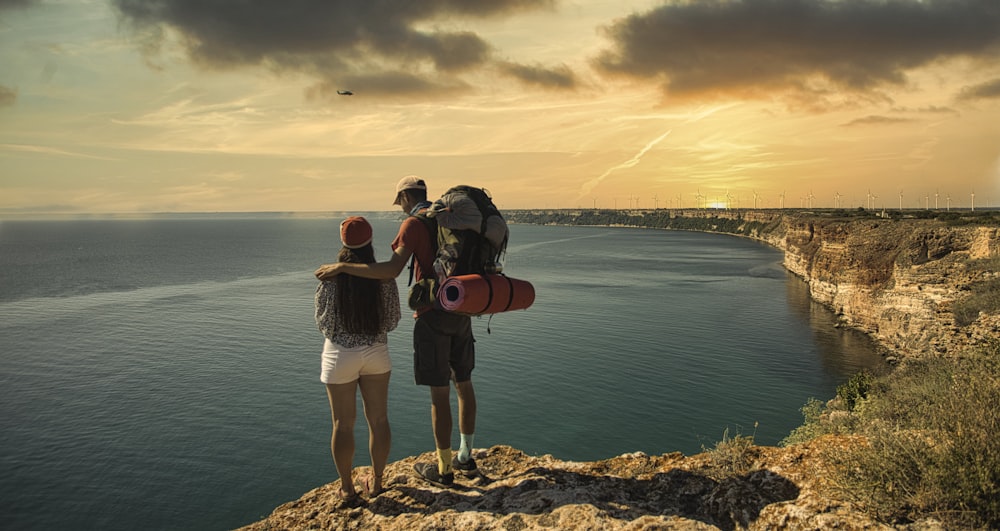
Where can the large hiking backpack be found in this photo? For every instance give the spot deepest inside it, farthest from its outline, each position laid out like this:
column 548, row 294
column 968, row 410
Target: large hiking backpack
column 471, row 233
column 470, row 238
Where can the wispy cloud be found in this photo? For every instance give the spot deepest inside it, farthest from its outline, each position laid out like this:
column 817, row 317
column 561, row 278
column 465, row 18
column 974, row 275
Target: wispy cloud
column 591, row 184
column 46, row 150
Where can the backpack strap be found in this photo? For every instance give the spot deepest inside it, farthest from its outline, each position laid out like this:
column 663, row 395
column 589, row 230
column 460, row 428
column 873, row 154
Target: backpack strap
column 431, row 226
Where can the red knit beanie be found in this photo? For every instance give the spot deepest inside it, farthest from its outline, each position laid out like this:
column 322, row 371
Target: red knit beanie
column 355, row 232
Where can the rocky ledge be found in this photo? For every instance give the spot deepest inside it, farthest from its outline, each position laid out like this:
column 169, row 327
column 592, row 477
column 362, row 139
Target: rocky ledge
column 782, row 488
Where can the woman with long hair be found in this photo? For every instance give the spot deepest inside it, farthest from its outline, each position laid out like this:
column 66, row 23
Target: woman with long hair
column 354, row 314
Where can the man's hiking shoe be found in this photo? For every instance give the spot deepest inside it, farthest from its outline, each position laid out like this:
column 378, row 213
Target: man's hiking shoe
column 467, row 468
column 429, row 472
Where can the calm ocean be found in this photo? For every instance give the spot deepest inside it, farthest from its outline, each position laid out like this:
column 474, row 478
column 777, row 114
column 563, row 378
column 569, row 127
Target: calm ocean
column 164, row 373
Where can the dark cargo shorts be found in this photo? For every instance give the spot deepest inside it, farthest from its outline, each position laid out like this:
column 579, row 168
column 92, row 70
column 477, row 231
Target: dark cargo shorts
column 442, row 344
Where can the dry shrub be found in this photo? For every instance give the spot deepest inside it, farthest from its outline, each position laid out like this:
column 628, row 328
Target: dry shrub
column 983, row 297
column 932, row 448
column 732, row 456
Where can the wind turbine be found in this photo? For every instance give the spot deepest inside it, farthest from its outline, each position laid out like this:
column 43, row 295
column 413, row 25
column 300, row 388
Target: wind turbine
column 949, row 202
column 810, row 197
column 782, row 198
column 836, row 199
column 656, row 202
column 680, row 203
column 697, row 198
column 756, row 196
column 729, row 200
column 936, row 194
column 973, row 200
column 900, row 199
column 868, row 200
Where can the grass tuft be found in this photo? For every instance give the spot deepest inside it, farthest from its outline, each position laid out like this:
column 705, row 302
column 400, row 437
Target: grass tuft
column 732, row 456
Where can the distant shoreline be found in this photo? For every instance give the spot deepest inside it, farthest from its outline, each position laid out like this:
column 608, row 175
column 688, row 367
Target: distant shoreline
column 391, row 214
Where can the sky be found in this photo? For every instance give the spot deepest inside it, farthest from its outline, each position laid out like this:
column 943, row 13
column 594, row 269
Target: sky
column 143, row 106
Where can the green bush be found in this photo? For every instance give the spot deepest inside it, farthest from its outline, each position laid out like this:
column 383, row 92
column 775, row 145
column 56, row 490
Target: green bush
column 813, row 425
column 839, row 418
column 855, row 390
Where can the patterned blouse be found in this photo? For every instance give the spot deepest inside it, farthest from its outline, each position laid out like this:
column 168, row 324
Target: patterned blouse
column 332, row 324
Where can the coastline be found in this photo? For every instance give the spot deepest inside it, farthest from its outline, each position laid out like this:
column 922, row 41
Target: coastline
column 896, row 279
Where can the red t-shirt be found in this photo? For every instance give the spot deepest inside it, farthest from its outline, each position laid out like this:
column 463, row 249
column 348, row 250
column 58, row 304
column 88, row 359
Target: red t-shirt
column 413, row 235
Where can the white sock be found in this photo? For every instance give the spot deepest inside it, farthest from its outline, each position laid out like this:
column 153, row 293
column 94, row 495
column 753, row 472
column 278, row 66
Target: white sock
column 465, row 449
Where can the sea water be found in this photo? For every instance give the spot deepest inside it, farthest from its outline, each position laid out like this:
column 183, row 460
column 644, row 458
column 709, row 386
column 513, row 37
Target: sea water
column 163, row 373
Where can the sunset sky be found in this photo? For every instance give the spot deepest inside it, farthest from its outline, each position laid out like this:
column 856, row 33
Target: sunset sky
column 223, row 105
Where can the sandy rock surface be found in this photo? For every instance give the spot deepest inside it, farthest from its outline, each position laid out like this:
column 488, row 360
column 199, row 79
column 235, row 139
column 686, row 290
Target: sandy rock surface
column 785, row 490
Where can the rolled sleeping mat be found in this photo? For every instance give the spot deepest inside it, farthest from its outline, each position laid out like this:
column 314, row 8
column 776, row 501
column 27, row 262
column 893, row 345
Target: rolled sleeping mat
column 485, row 294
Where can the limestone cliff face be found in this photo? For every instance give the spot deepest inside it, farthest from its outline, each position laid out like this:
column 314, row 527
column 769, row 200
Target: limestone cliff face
column 896, row 280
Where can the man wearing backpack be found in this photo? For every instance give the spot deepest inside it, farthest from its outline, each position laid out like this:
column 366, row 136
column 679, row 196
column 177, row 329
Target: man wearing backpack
column 444, row 348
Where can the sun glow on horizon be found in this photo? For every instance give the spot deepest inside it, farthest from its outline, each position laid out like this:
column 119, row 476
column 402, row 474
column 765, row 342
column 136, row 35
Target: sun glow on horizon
column 576, row 105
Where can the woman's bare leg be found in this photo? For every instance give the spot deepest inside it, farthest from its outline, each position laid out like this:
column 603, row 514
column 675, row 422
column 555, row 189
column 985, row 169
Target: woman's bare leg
column 343, row 407
column 375, row 395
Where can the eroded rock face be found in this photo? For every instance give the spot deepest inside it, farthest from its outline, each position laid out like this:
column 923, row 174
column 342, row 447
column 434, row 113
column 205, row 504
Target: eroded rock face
column 786, row 489
column 897, row 281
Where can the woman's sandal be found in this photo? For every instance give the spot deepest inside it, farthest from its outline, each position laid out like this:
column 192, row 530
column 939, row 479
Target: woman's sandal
column 367, row 483
column 349, row 502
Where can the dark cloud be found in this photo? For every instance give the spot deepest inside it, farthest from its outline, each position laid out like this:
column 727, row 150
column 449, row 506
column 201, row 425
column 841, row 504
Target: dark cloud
column 7, row 96
column 984, row 91
column 386, row 84
column 371, row 40
column 934, row 109
column 757, row 47
column 877, row 120
column 560, row 77
column 16, row 3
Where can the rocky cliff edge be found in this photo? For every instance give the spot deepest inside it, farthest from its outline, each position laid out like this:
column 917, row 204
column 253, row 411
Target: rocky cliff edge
column 782, row 488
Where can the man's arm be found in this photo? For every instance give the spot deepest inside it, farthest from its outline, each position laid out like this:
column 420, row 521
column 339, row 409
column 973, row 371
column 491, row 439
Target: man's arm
column 379, row 270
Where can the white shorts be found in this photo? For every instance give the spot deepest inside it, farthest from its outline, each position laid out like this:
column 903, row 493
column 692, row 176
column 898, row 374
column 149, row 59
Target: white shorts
column 344, row 365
